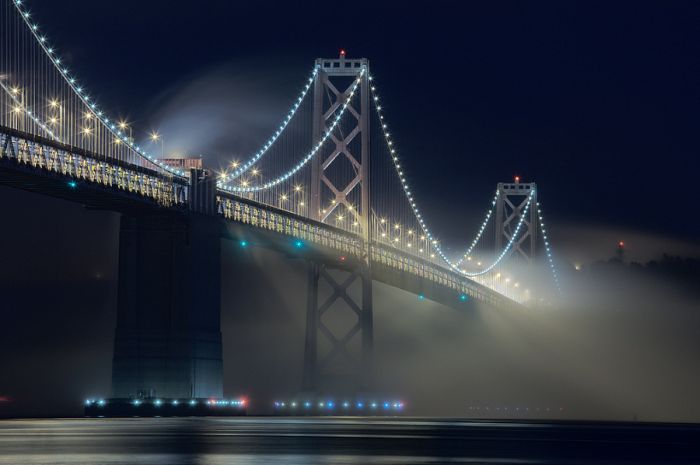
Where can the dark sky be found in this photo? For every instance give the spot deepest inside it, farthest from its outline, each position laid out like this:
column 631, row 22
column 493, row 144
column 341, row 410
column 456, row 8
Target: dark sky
column 596, row 101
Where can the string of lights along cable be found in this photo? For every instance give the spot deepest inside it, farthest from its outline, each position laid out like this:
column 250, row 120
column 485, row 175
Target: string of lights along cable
column 245, row 187
column 548, row 249
column 467, row 254
column 478, row 262
column 241, row 168
column 326, row 154
column 53, row 101
column 432, row 240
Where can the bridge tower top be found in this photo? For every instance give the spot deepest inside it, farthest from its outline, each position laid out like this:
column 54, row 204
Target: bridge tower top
column 511, row 203
column 342, row 66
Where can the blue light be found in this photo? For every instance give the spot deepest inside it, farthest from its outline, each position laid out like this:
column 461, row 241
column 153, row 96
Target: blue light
column 243, row 244
column 463, row 297
column 360, row 405
column 298, row 244
column 72, row 184
column 346, row 404
column 421, row 297
column 373, row 405
column 158, row 402
column 88, row 402
column 175, row 402
column 136, row 402
column 101, row 402
column 386, row 405
column 307, row 404
column 193, row 402
column 330, row 404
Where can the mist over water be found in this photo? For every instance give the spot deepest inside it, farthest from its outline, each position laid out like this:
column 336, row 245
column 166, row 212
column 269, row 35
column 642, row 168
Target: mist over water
column 619, row 347
column 225, row 112
column 623, row 345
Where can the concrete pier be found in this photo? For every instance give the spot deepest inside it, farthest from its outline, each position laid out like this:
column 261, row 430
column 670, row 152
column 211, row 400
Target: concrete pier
column 168, row 336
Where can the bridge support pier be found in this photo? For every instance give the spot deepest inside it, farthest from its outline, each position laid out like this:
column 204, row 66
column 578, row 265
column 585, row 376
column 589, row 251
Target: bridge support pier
column 168, row 335
column 339, row 330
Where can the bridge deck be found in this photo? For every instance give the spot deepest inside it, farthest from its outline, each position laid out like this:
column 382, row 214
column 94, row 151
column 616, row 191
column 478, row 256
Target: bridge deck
column 41, row 165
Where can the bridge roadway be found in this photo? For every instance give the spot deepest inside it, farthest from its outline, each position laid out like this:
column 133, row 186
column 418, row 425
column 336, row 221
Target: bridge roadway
column 40, row 165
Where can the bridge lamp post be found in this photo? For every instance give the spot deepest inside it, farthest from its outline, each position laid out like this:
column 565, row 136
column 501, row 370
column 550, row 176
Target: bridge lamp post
column 298, row 198
column 123, row 126
column 18, row 108
column 86, row 133
column 155, row 137
column 55, row 105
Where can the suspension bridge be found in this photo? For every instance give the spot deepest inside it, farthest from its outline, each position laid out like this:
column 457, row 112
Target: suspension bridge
column 329, row 187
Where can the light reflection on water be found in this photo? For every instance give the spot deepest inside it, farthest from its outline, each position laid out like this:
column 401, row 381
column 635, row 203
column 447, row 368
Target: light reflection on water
column 244, row 459
column 331, row 441
column 219, row 441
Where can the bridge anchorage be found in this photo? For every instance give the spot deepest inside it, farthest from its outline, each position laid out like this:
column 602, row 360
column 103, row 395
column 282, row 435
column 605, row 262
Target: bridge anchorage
column 330, row 178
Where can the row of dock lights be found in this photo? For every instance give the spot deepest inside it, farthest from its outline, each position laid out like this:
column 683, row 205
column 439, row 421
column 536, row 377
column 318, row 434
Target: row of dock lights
column 331, row 407
column 159, row 407
column 174, row 402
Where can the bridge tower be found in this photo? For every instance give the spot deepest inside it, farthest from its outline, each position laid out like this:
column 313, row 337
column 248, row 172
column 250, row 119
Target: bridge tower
column 510, row 207
column 350, row 285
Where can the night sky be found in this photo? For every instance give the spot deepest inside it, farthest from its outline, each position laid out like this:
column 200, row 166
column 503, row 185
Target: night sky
column 595, row 101
column 598, row 102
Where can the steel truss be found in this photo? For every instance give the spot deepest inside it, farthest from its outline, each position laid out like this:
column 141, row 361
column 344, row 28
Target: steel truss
column 331, row 72
column 319, row 373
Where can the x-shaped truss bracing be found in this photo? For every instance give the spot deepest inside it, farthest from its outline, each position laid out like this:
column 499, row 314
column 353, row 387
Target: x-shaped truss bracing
column 358, row 107
column 319, row 372
column 510, row 207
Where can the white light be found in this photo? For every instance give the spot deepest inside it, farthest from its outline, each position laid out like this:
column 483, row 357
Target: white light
column 306, row 159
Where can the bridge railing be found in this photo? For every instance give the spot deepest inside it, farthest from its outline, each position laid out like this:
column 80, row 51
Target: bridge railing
column 262, row 216
column 282, row 222
column 425, row 269
column 76, row 163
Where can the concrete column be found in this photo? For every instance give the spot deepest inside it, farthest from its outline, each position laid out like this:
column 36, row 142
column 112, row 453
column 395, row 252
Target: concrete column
column 168, row 337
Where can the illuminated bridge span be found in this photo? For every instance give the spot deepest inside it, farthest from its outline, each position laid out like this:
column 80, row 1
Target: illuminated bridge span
column 329, row 186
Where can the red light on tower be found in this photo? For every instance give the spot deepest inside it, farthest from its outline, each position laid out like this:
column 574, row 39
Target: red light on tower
column 517, row 179
column 342, row 52
column 620, row 252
